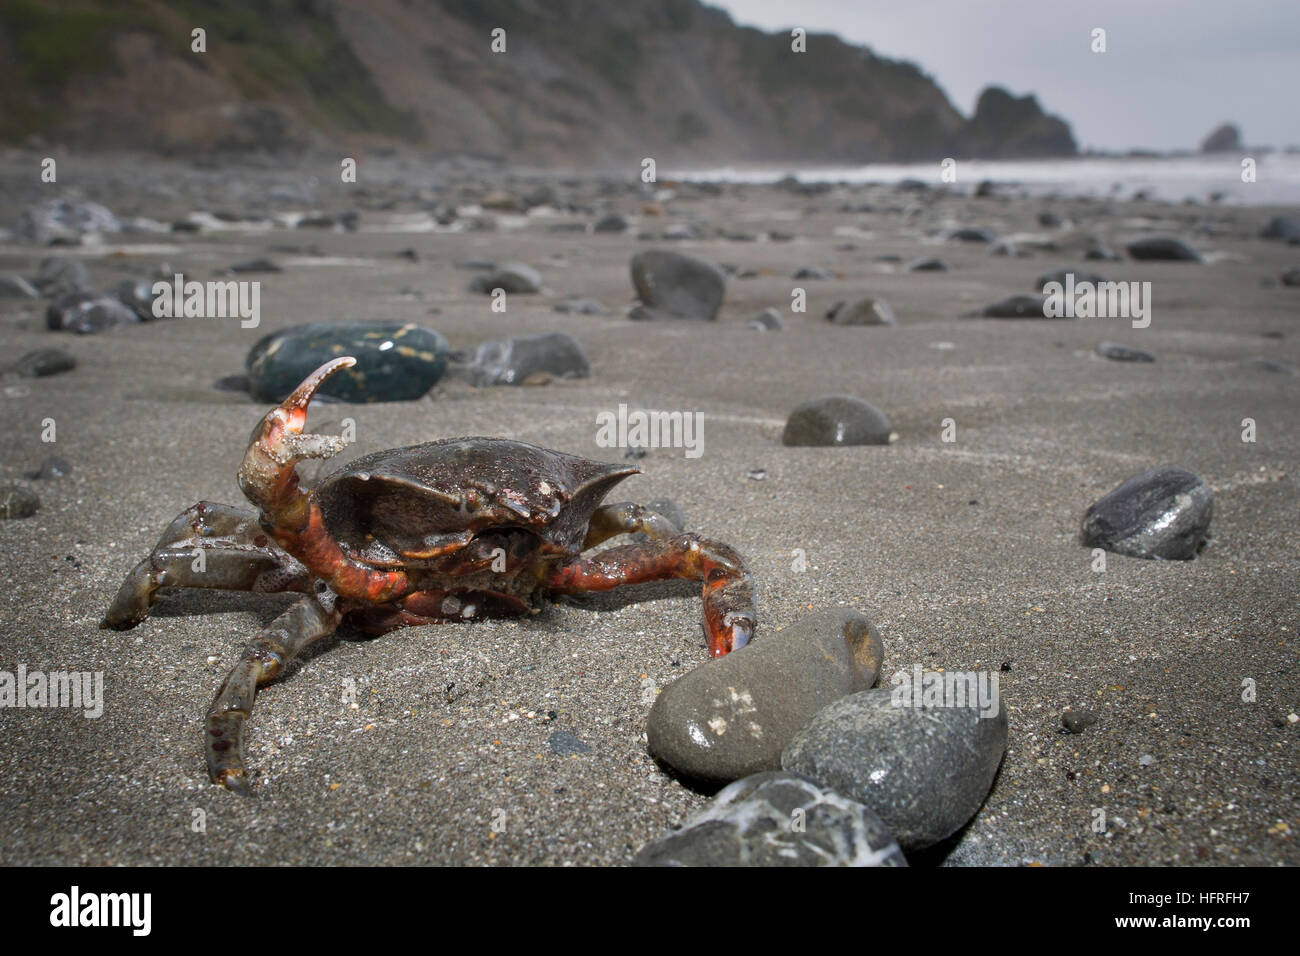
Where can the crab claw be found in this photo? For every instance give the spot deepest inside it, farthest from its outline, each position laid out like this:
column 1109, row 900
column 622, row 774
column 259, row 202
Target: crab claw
column 267, row 474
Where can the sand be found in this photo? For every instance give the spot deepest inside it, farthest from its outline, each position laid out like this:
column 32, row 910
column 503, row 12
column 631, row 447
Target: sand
column 965, row 554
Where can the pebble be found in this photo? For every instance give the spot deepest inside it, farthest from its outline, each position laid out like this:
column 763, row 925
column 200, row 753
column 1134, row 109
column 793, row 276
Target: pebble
column 511, row 361
column 60, row 276
column 1123, row 353
column 612, row 222
column 1015, row 307
column 43, row 362
column 253, row 266
column 670, row 284
column 513, row 277
column 1077, row 721
column 812, row 272
column 65, row 220
column 926, row 264
column 1163, row 249
column 480, row 264
column 752, row 823
column 969, row 234
column 1291, row 277
column 837, row 420
column 396, row 361
column 51, row 467
column 733, row 716
column 564, row 744
column 18, row 502
column 582, row 307
column 87, row 313
column 924, row 770
column 769, row 320
column 1281, row 227
column 862, row 312
column 1162, row 513
column 137, row 295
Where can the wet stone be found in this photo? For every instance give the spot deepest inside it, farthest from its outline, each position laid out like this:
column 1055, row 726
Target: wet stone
column 673, row 285
column 582, row 307
column 813, row 272
column 1281, row 227
column 769, row 320
column 18, row 502
column 837, row 420
column 1015, row 307
column 926, row 264
column 137, row 295
column 733, row 716
column 60, row 276
column 512, row 361
column 969, row 234
column 1162, row 513
column 862, row 312
column 43, row 362
column 1123, row 353
column 514, row 278
column 52, row 467
column 1077, row 721
column 749, row 823
column 1162, row 249
column 396, row 361
column 87, row 313
column 923, row 769
column 254, row 266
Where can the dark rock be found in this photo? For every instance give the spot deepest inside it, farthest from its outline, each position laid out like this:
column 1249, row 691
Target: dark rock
column 926, row 264
column 767, row 320
column 1163, row 513
column 776, row 819
column 582, row 307
column 1015, row 307
column 924, row 770
column 137, row 295
column 1281, row 227
column 232, row 383
column 780, row 235
column 481, row 264
column 813, row 272
column 87, row 313
column 511, row 361
column 16, row 287
column 396, row 361
column 1006, row 126
column 1224, row 139
column 862, row 312
column 1122, row 353
column 43, row 362
column 1291, row 277
column 1162, row 249
column 514, row 278
column 673, row 285
column 18, row 502
column 58, row 276
column 565, row 744
column 1050, row 220
column 254, row 266
column 733, row 716
column 1077, row 721
column 970, row 234
column 836, row 420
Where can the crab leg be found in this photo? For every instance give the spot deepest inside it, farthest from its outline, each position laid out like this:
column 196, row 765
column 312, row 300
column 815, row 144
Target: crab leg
column 267, row 476
column 264, row 658
column 728, row 591
column 236, row 555
column 611, row 520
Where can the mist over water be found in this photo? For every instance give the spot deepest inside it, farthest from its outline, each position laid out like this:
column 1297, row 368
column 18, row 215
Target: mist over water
column 1277, row 176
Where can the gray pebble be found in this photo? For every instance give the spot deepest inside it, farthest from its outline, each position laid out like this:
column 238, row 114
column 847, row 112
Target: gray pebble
column 1123, row 353
column 862, row 312
column 837, row 420
column 1077, row 721
column 18, row 502
column 1162, row 513
column 670, row 284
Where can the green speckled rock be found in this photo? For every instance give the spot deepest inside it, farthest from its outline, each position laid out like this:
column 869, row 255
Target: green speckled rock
column 396, row 361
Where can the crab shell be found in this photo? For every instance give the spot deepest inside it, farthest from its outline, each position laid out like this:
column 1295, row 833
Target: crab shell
column 407, row 506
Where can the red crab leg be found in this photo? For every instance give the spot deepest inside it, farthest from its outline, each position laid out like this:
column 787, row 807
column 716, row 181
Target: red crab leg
column 268, row 478
column 728, row 591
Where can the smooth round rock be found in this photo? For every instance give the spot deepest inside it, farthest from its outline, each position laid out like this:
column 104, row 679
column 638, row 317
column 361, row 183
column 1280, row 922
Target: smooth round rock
column 612, row 222
column 862, row 312
column 514, row 278
column 1162, row 513
column 1281, row 227
column 86, row 313
column 1016, row 307
column 582, row 307
column 512, row 361
column 926, row 264
column 1291, row 277
column 733, row 716
column 837, row 420
column 670, row 284
column 812, row 272
column 396, row 361
column 752, row 823
column 43, row 362
column 769, row 320
column 971, row 234
column 52, row 467
column 1123, row 353
column 1162, row 249
column 58, row 276
column 924, row 770
column 1077, row 721
column 18, row 502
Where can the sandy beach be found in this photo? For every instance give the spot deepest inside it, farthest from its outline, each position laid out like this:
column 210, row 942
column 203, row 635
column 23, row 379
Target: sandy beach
column 965, row 554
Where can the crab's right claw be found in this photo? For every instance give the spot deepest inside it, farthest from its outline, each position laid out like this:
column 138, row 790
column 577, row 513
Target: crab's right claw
column 267, row 474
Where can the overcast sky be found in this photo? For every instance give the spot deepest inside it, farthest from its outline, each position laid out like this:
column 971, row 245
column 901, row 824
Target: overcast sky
column 1173, row 70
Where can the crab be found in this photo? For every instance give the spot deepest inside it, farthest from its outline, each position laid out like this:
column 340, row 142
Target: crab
column 449, row 530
